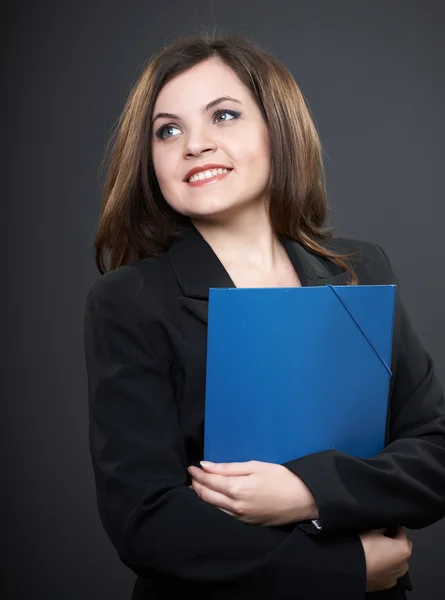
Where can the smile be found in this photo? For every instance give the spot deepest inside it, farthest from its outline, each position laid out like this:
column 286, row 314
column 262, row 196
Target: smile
column 209, row 176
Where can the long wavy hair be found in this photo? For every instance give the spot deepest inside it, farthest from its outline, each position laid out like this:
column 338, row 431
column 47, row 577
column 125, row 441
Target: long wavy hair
column 136, row 222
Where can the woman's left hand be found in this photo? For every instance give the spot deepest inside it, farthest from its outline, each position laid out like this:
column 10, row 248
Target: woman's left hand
column 255, row 492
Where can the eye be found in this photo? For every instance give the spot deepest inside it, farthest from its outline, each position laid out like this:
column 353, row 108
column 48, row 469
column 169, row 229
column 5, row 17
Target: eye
column 232, row 113
column 160, row 132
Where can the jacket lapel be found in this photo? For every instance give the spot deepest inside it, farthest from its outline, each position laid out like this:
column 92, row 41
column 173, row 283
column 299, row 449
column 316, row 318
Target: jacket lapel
column 197, row 269
column 313, row 270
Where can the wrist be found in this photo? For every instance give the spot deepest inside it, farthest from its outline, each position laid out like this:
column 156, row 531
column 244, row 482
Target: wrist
column 312, row 508
column 312, row 513
column 306, row 508
column 305, row 513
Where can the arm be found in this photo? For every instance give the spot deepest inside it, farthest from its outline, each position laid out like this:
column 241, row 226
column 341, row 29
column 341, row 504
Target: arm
column 405, row 483
column 155, row 522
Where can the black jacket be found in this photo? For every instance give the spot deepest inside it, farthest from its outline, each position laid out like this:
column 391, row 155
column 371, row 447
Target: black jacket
column 145, row 344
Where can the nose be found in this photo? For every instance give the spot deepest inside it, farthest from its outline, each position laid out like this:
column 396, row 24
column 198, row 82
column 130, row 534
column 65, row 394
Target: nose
column 198, row 142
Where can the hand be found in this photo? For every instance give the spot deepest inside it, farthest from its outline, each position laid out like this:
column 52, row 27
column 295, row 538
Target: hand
column 386, row 558
column 255, row 492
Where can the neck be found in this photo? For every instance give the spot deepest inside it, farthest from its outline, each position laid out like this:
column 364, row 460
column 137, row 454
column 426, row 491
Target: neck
column 247, row 241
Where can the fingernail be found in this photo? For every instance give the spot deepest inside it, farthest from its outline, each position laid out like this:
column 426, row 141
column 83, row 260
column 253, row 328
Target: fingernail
column 206, row 463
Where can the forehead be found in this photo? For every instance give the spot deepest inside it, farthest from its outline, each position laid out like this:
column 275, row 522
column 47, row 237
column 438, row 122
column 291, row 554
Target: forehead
column 201, row 84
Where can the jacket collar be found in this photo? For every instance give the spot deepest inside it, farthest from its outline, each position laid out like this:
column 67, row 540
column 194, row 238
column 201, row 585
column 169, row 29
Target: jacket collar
column 197, row 267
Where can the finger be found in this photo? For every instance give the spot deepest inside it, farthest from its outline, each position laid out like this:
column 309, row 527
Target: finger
column 211, row 497
column 235, row 468
column 218, row 483
column 403, row 570
column 400, row 534
column 228, row 512
column 390, row 584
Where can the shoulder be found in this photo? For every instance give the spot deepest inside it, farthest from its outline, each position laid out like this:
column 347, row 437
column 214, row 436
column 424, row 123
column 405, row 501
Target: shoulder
column 362, row 248
column 143, row 281
column 368, row 258
column 134, row 302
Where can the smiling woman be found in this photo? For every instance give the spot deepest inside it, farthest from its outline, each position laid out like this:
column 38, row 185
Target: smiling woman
column 215, row 179
column 225, row 99
column 238, row 143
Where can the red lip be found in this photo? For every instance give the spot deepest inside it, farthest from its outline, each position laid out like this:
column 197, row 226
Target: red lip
column 204, row 168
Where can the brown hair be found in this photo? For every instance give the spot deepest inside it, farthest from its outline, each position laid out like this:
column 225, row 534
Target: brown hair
column 136, row 222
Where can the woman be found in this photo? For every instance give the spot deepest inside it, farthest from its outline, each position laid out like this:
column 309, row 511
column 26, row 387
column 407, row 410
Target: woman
column 215, row 179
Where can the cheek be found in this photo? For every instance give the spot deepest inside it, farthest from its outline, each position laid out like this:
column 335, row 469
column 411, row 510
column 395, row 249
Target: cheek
column 162, row 170
column 257, row 152
column 166, row 170
column 264, row 145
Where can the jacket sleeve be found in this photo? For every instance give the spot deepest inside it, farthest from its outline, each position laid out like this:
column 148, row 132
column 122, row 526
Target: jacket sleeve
column 405, row 483
column 155, row 522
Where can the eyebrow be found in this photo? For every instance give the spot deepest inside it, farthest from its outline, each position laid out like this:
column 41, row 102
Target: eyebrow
column 205, row 109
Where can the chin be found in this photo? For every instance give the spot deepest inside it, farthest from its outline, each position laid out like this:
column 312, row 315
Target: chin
column 211, row 209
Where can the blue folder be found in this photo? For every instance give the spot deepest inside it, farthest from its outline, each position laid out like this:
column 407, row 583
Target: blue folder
column 293, row 371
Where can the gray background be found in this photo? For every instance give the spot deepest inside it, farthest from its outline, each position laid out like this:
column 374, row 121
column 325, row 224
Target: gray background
column 373, row 75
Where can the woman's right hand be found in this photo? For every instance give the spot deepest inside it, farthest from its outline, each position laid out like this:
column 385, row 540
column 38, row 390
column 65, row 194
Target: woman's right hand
column 386, row 558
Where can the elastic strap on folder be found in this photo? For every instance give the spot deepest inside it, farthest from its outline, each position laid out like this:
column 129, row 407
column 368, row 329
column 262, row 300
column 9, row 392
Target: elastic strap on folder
column 384, row 363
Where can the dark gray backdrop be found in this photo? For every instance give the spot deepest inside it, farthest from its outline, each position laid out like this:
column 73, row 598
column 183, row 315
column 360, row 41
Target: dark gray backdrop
column 373, row 75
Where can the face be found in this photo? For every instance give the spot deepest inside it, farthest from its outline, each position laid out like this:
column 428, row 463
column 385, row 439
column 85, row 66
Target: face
column 207, row 136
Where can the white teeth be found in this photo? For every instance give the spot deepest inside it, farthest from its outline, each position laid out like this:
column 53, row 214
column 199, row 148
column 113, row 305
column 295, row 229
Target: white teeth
column 207, row 174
